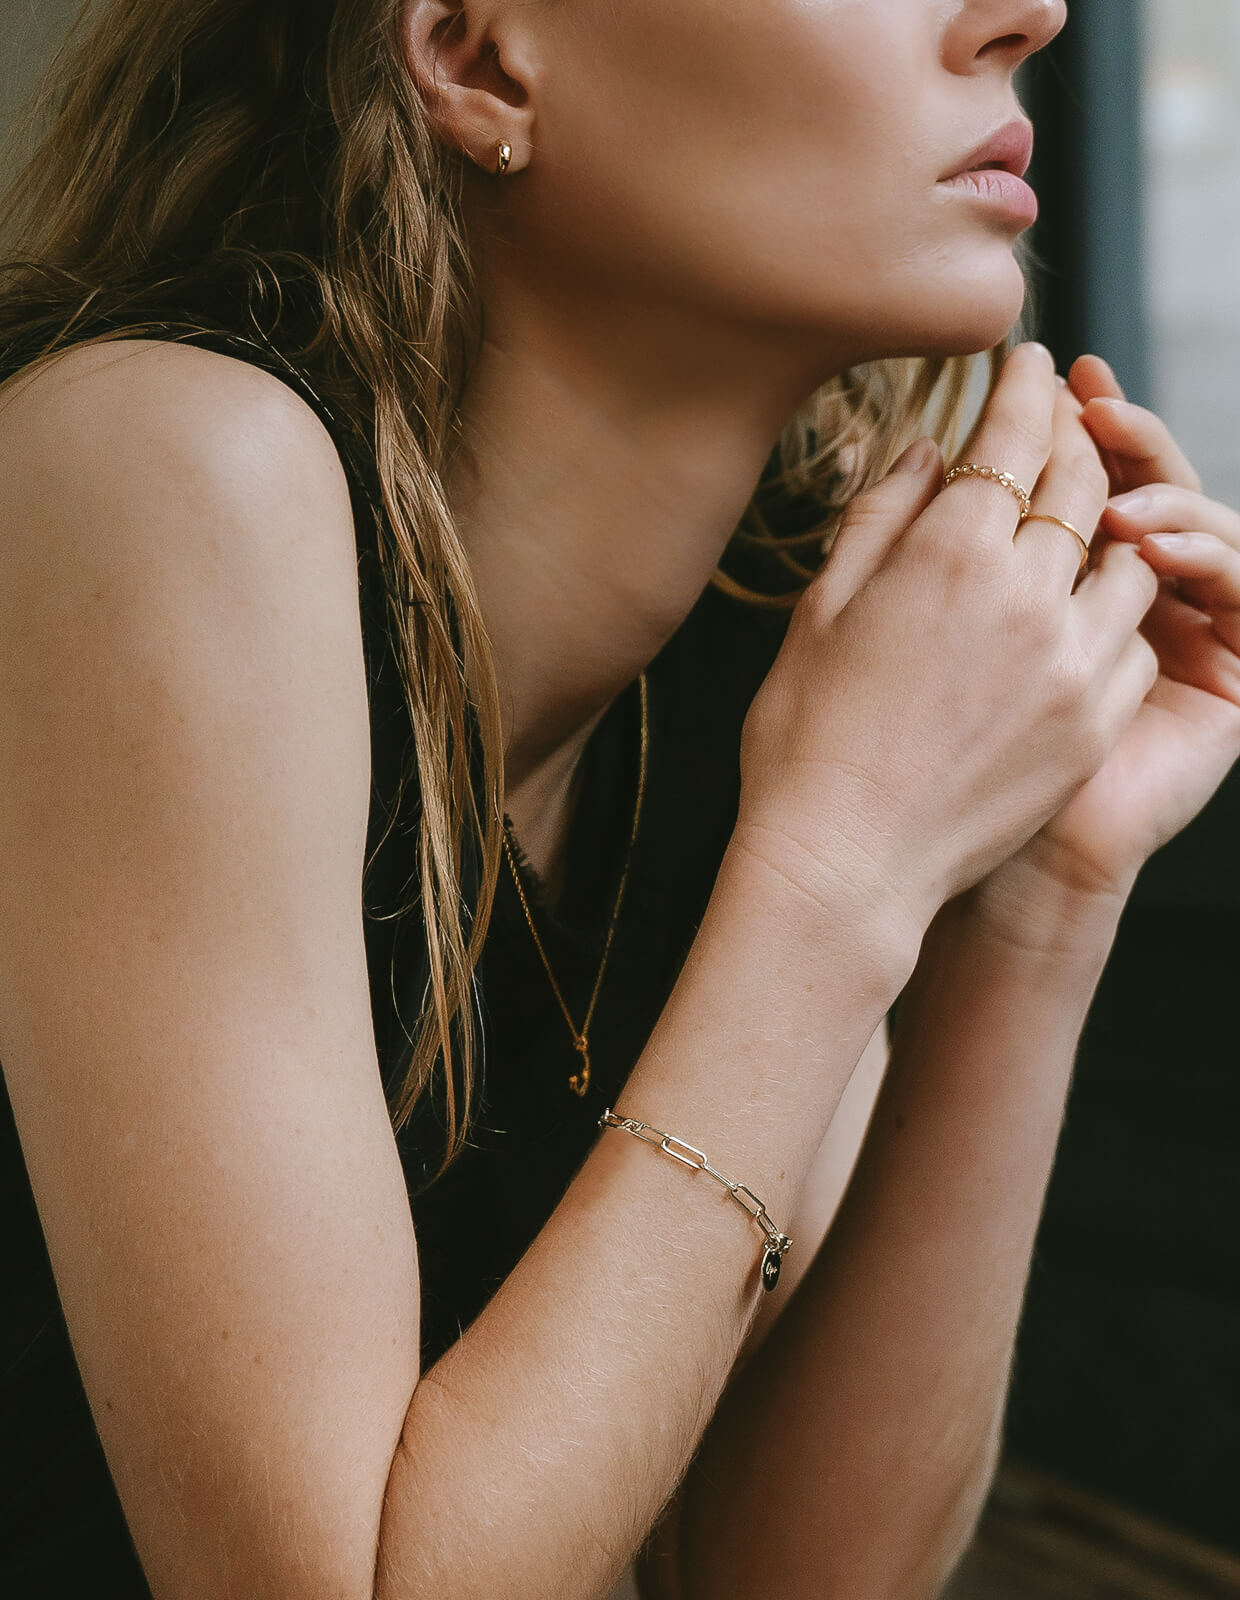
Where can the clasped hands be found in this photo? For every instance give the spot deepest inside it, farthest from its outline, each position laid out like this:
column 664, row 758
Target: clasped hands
column 1185, row 736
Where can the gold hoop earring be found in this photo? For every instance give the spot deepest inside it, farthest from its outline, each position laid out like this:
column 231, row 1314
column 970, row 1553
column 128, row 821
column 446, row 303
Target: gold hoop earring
column 503, row 158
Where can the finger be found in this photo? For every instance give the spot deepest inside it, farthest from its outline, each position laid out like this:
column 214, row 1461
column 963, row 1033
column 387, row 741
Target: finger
column 1207, row 575
column 1112, row 601
column 1165, row 508
column 1092, row 378
column 1067, row 392
column 1127, row 688
column 1141, row 441
column 875, row 521
column 1189, row 649
column 1014, row 436
column 1073, row 489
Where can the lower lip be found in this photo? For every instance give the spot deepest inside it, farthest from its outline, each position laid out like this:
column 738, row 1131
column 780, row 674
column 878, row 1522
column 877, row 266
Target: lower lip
column 1002, row 190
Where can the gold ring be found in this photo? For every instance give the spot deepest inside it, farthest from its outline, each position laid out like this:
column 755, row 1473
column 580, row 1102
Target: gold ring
column 1045, row 516
column 1005, row 480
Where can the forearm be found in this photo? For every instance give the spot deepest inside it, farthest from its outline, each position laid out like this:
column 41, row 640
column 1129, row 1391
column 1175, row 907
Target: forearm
column 868, row 1423
column 538, row 1451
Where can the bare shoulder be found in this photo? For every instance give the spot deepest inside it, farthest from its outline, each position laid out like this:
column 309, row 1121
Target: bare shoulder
column 185, row 1022
column 135, row 369
column 167, row 505
column 93, row 417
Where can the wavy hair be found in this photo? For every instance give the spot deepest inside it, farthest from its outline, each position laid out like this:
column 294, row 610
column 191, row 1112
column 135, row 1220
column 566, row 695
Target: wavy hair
column 275, row 155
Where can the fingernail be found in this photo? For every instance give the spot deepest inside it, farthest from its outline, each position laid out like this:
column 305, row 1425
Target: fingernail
column 1133, row 504
column 1042, row 350
column 917, row 457
column 1171, row 541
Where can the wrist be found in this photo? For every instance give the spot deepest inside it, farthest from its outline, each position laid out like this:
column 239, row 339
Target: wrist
column 841, row 907
column 1027, row 909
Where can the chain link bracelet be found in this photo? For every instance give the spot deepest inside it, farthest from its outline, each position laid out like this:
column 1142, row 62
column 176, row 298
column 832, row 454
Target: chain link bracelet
column 776, row 1242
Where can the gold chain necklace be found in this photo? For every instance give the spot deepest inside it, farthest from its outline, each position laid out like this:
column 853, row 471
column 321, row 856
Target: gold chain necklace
column 579, row 1082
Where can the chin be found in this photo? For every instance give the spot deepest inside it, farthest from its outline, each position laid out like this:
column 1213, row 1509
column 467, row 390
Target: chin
column 968, row 314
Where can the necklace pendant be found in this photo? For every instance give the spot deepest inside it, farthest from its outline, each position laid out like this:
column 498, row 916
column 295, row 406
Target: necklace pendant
column 580, row 1081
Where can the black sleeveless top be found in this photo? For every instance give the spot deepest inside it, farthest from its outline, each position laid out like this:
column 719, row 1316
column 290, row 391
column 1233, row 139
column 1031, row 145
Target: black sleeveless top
column 62, row 1529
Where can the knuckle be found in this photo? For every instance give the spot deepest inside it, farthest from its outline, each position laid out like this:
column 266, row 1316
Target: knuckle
column 1092, row 736
column 1089, row 476
column 950, row 569
column 1076, row 466
column 818, row 608
column 1023, row 431
column 1150, row 663
column 1070, row 680
column 1094, row 744
column 812, row 611
column 949, row 543
column 864, row 510
column 964, row 550
column 1026, row 605
column 1020, row 610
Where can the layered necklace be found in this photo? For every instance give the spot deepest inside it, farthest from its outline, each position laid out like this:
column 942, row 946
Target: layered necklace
column 579, row 1081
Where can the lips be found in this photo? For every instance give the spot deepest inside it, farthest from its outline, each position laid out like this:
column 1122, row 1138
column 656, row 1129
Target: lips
column 1008, row 150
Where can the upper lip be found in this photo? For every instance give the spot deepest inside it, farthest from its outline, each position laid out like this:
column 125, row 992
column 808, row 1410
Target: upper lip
column 1010, row 149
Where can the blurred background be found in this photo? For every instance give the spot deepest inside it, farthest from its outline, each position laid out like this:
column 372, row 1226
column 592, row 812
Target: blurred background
column 1122, row 1468
column 1121, row 1478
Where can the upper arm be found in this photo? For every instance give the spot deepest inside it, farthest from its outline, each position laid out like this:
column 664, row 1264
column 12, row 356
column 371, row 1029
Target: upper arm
column 184, row 1008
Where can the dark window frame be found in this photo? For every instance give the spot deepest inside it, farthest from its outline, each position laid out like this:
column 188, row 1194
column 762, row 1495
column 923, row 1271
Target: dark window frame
column 1085, row 95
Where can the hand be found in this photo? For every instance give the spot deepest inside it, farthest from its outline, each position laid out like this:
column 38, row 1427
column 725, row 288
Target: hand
column 1186, row 735
column 941, row 691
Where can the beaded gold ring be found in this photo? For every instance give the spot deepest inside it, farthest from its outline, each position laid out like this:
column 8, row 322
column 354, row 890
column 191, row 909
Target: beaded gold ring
column 1005, row 480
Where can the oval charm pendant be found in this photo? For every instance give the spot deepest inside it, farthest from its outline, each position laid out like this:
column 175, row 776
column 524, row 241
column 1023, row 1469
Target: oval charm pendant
column 771, row 1261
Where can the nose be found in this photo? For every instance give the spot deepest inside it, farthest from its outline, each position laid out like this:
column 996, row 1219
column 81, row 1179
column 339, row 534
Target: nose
column 1006, row 31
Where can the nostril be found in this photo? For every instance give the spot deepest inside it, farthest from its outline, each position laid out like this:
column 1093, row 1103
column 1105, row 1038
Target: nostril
column 1009, row 44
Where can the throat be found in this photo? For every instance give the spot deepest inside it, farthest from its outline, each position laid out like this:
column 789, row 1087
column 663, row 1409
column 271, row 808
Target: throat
column 542, row 822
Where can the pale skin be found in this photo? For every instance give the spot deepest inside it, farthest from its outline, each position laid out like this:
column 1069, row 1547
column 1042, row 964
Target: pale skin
column 1004, row 981
column 221, row 1195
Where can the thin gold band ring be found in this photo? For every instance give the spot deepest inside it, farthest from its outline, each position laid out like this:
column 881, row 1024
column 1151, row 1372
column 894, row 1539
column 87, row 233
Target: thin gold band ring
column 1045, row 516
column 1005, row 480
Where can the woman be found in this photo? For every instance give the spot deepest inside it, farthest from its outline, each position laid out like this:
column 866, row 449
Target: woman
column 456, row 342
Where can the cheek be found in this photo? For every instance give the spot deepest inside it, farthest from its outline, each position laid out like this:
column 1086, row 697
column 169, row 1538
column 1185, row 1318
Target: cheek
column 768, row 160
column 736, row 133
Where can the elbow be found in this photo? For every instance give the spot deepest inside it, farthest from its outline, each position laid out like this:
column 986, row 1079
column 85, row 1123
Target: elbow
column 928, row 1569
column 957, row 1529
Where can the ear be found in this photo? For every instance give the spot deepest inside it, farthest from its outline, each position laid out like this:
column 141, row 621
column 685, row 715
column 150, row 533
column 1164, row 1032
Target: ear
column 474, row 65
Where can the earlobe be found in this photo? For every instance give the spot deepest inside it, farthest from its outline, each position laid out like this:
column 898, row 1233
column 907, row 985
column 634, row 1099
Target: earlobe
column 468, row 62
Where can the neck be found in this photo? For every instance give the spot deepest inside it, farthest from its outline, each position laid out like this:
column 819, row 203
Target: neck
column 604, row 464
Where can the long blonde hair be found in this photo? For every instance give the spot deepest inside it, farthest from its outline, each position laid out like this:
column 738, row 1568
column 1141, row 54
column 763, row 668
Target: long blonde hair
column 226, row 150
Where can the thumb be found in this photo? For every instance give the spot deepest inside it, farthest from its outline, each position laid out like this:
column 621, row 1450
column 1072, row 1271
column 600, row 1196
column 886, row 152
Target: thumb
column 875, row 522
